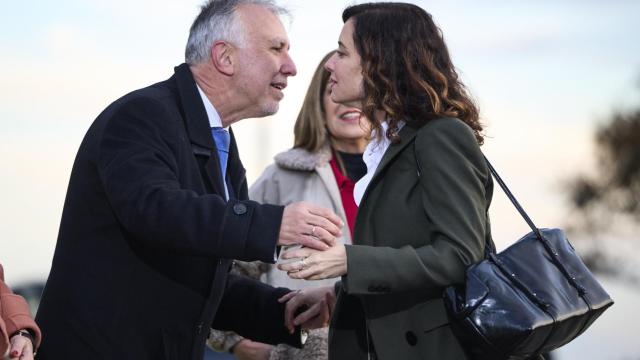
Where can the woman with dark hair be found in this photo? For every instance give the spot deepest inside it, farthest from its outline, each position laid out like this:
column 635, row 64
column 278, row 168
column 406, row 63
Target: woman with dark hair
column 321, row 168
column 422, row 217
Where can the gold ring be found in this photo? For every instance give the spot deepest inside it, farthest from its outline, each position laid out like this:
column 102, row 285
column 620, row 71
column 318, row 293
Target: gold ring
column 313, row 231
column 303, row 264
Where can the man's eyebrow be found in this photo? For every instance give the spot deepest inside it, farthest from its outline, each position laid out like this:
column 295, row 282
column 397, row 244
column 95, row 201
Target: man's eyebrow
column 340, row 44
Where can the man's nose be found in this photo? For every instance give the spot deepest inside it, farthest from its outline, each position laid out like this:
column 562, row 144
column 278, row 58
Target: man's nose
column 289, row 67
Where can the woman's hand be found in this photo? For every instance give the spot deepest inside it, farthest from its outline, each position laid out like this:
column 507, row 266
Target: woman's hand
column 311, row 308
column 314, row 264
column 21, row 348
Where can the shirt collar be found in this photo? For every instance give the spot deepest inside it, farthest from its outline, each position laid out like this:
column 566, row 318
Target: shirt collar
column 212, row 113
column 375, row 150
column 372, row 157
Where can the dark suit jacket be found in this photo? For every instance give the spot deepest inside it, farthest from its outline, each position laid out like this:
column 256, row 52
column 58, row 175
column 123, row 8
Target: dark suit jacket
column 146, row 240
column 414, row 235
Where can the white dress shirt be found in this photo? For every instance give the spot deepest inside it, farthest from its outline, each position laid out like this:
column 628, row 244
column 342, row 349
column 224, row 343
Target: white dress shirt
column 372, row 156
column 214, row 121
column 212, row 113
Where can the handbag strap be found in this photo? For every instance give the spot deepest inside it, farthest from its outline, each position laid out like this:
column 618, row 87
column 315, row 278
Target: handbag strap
column 512, row 198
column 490, row 251
column 553, row 254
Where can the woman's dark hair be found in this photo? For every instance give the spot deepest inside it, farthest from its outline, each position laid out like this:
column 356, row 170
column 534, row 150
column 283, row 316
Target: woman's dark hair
column 406, row 68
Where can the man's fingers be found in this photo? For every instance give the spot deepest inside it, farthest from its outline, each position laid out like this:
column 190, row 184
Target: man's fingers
column 312, row 312
column 289, row 313
column 286, row 297
column 326, row 313
column 325, row 236
column 324, row 224
column 313, row 243
column 327, row 214
column 331, row 302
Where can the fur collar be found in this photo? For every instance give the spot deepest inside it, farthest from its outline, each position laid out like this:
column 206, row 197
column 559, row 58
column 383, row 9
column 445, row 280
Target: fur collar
column 303, row 160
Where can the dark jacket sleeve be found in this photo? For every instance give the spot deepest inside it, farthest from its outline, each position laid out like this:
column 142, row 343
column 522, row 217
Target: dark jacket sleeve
column 251, row 309
column 139, row 162
column 452, row 190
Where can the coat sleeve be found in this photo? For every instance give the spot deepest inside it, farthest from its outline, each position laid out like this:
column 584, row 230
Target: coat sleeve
column 452, row 191
column 138, row 165
column 223, row 341
column 15, row 314
column 251, row 309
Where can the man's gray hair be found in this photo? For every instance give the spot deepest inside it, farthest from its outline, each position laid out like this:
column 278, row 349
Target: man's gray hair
column 217, row 21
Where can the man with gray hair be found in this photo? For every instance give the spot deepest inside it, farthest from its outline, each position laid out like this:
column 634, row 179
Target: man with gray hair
column 157, row 207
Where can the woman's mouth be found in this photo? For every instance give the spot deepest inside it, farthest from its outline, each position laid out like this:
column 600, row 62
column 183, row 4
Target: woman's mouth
column 350, row 115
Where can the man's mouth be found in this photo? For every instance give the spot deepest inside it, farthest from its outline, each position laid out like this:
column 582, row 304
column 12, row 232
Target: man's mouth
column 279, row 85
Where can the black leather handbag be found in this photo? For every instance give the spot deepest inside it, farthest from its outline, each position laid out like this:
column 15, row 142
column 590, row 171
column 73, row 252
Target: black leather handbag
column 529, row 299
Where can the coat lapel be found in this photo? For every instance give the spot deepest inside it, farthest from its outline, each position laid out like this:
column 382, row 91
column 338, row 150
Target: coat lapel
column 197, row 124
column 407, row 134
column 235, row 169
column 325, row 173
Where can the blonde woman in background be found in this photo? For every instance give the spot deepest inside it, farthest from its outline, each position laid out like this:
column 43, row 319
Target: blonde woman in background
column 321, row 168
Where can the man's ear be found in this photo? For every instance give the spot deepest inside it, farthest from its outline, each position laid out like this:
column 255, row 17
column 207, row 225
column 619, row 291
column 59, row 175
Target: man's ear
column 223, row 57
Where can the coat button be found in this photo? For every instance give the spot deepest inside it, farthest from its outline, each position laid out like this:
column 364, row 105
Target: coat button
column 412, row 339
column 199, row 328
column 239, row 209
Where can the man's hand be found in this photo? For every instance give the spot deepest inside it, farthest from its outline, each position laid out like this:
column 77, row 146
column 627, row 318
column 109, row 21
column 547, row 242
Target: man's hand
column 21, row 348
column 310, row 226
column 316, row 305
column 246, row 349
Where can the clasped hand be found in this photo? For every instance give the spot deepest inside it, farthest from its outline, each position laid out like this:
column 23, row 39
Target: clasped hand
column 314, row 264
column 310, row 308
column 310, row 226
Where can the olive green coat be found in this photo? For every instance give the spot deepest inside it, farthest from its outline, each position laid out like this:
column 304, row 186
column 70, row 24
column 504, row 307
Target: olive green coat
column 414, row 235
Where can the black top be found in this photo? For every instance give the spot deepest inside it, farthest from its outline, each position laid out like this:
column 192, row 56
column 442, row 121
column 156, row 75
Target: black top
column 353, row 163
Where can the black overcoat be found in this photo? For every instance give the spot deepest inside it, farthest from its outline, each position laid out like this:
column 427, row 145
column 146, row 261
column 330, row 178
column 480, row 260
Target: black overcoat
column 140, row 269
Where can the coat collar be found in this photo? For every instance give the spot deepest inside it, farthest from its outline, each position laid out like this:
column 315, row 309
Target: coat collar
column 195, row 114
column 197, row 124
column 303, row 160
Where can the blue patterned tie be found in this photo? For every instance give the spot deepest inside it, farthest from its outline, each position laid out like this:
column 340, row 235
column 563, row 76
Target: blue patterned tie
column 222, row 139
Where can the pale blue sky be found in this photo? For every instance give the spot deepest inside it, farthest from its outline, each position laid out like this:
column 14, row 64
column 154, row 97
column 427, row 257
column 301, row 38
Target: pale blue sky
column 543, row 72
